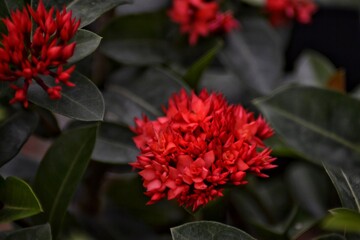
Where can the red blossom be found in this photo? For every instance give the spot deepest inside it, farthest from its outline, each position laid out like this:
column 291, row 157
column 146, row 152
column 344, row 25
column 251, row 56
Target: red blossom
column 281, row 11
column 200, row 18
column 24, row 57
column 199, row 146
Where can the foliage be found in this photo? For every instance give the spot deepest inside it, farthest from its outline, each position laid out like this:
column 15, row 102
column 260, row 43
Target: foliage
column 131, row 57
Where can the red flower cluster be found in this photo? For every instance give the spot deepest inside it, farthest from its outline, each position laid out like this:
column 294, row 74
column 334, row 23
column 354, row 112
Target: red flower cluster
column 201, row 18
column 282, row 10
column 202, row 144
column 25, row 57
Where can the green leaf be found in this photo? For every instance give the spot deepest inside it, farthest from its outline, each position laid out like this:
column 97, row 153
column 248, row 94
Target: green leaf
column 307, row 185
column 86, row 43
column 351, row 4
column 347, row 184
column 255, row 55
column 140, row 26
column 256, row 3
column 194, row 73
column 40, row 232
column 321, row 125
column 82, row 102
column 138, row 51
column 14, row 133
column 60, row 172
column 342, row 219
column 13, row 4
column 330, row 237
column 17, row 200
column 114, row 144
column 163, row 213
column 314, row 69
column 206, row 230
column 89, row 11
column 356, row 93
column 128, row 95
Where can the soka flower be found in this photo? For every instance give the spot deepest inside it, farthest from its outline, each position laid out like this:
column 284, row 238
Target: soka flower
column 37, row 43
column 199, row 146
column 201, row 18
column 281, row 11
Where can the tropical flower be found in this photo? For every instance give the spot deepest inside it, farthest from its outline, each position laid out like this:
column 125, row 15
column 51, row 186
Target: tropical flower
column 281, row 11
column 37, row 43
column 201, row 18
column 199, row 146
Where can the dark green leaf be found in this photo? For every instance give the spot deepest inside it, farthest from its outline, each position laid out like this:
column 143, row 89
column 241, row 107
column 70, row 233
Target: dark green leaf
column 308, row 186
column 142, row 92
column 48, row 125
column 89, row 11
column 163, row 213
column 41, row 232
column 14, row 133
column 114, row 144
column 194, row 73
column 347, row 184
column 343, row 219
column 13, row 4
column 82, row 102
column 60, row 172
column 330, row 237
column 206, row 230
column 137, row 51
column 141, row 26
column 86, row 43
column 17, row 200
column 59, row 4
column 321, row 125
column 4, row 12
column 254, row 55
column 356, row 92
column 351, row 4
column 314, row 69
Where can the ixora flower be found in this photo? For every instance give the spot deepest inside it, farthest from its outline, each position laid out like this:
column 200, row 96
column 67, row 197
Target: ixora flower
column 281, row 11
column 200, row 18
column 37, row 43
column 198, row 147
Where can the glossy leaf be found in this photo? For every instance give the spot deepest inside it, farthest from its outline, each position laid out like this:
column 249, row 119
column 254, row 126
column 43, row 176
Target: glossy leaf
column 206, row 230
column 40, row 232
column 89, row 11
column 308, row 186
column 314, row 69
column 330, row 237
column 14, row 4
column 86, row 43
column 254, row 55
column 343, row 219
column 82, row 102
column 347, row 184
column 17, row 200
column 163, row 213
column 60, row 172
column 14, row 133
column 321, row 125
column 114, row 144
column 194, row 73
column 140, row 26
column 130, row 95
column 138, row 51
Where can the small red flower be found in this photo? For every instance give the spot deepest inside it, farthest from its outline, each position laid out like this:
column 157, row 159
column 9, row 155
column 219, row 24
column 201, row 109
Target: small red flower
column 24, row 57
column 200, row 145
column 201, row 18
column 281, row 11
